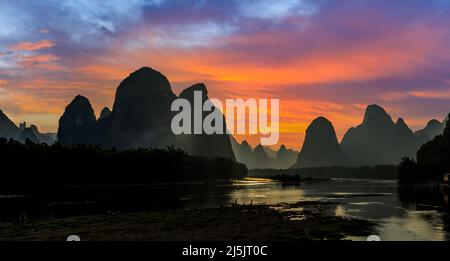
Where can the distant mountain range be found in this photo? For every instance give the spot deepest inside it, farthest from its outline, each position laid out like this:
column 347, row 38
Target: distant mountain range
column 10, row 130
column 141, row 117
column 377, row 140
column 7, row 128
column 262, row 157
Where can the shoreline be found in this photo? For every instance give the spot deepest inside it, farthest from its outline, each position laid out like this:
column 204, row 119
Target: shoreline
column 307, row 220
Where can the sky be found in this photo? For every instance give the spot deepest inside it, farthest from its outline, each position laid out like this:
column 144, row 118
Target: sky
column 327, row 58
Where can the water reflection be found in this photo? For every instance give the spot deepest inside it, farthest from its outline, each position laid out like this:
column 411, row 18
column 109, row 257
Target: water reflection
column 402, row 214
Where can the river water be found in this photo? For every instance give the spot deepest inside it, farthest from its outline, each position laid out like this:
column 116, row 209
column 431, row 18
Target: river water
column 400, row 214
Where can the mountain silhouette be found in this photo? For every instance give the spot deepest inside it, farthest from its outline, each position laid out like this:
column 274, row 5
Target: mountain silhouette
column 106, row 112
column 28, row 134
column 141, row 113
column 204, row 144
column 433, row 128
column 406, row 140
column 8, row 129
column 285, row 157
column 376, row 114
column 433, row 161
column 321, row 147
column 141, row 118
column 263, row 157
column 270, row 152
column 435, row 154
column 76, row 125
column 378, row 140
column 48, row 138
column 243, row 152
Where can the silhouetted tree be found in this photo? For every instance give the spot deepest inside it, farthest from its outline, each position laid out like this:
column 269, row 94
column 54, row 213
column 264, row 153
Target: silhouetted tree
column 433, row 160
column 35, row 164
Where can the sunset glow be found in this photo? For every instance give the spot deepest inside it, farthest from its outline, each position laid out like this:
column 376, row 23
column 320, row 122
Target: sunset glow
column 320, row 58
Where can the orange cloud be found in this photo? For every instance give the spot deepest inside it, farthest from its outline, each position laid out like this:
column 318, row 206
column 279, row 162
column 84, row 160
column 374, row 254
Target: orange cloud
column 39, row 58
column 243, row 72
column 39, row 61
column 441, row 94
column 32, row 46
column 29, row 104
column 229, row 74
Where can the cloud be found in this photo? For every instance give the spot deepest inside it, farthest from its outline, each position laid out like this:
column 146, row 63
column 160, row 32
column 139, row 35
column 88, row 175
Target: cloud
column 351, row 53
column 81, row 21
column 267, row 9
column 38, row 58
column 31, row 46
column 437, row 94
column 24, row 60
column 187, row 36
column 102, row 15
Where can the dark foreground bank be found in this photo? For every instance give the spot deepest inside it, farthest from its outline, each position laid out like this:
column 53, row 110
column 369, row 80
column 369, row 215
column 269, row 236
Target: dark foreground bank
column 281, row 222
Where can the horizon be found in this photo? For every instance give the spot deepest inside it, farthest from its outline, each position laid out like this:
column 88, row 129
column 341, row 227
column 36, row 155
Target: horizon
column 320, row 58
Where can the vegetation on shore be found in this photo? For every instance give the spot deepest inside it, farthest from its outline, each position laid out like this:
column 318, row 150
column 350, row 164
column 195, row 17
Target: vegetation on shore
column 33, row 164
column 368, row 172
column 433, row 161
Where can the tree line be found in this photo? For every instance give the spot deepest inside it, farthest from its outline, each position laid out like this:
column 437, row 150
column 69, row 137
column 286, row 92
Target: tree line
column 36, row 164
column 433, row 161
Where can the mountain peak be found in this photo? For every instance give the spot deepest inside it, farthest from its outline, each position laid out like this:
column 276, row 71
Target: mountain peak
column 105, row 113
column 376, row 112
column 404, row 132
column 260, row 153
column 141, row 83
column 433, row 128
column 196, row 87
column 401, row 123
column 80, row 99
column 321, row 125
column 259, row 147
column 7, row 128
column 76, row 122
column 320, row 147
column 34, row 128
column 433, row 123
column 144, row 71
column 245, row 143
column 282, row 148
column 189, row 92
column 81, row 104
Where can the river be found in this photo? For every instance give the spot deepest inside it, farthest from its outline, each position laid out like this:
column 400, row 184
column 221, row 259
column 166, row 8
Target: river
column 400, row 215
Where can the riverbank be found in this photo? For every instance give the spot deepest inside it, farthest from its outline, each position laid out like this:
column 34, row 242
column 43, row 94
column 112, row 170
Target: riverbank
column 307, row 220
column 384, row 172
